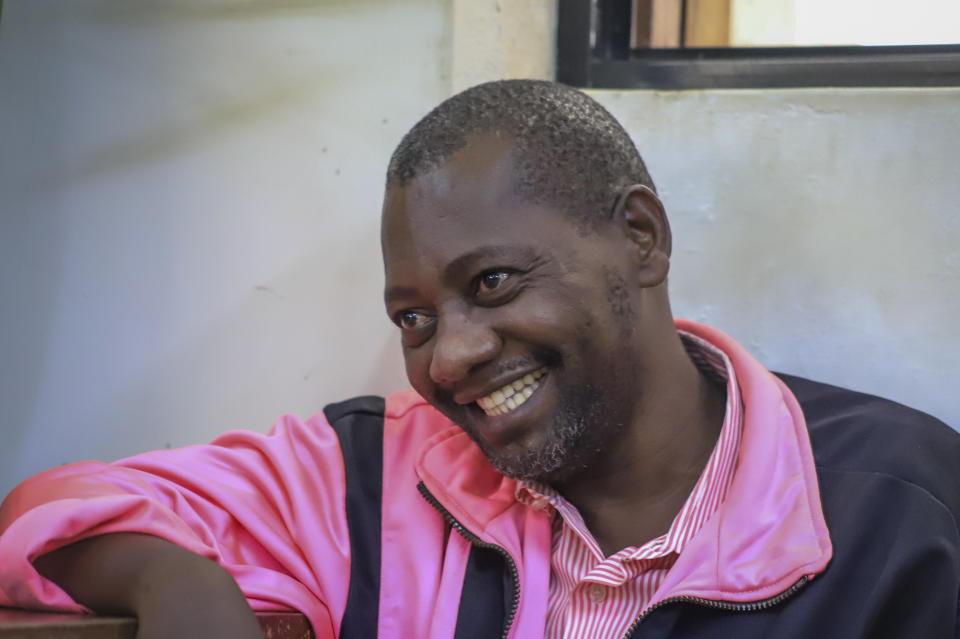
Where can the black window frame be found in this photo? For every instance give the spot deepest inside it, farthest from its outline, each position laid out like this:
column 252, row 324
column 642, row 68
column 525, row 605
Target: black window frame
column 593, row 51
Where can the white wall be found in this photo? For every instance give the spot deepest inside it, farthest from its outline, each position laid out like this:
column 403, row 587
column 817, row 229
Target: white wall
column 821, row 228
column 494, row 39
column 190, row 193
column 190, row 213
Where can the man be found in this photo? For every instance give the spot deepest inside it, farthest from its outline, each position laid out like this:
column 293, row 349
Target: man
column 574, row 463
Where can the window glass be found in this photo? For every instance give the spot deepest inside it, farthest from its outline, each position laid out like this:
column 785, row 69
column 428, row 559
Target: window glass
column 671, row 24
column 843, row 22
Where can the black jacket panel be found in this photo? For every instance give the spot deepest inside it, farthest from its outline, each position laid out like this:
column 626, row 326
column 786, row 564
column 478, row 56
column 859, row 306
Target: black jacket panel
column 890, row 487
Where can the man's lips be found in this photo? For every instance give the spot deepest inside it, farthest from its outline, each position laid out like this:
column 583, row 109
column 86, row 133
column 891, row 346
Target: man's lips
column 512, row 394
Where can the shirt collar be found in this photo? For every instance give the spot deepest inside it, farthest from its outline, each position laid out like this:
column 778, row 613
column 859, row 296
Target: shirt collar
column 712, row 486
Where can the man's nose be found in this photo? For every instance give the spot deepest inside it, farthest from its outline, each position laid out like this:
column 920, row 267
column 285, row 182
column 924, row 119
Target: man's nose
column 460, row 346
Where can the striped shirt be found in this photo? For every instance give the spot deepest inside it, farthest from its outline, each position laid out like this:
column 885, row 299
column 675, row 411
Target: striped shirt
column 596, row 596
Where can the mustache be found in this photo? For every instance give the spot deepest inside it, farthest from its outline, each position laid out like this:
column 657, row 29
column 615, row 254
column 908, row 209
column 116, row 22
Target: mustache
column 443, row 398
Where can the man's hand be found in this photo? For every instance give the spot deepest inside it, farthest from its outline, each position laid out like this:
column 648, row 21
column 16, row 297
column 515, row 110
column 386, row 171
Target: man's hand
column 173, row 592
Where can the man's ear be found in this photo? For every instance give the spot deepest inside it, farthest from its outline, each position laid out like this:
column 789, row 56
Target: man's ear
column 640, row 214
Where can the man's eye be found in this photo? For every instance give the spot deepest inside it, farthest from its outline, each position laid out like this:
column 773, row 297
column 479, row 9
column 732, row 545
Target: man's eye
column 491, row 280
column 411, row 319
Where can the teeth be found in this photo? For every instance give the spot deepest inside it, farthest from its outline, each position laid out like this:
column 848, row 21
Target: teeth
column 512, row 395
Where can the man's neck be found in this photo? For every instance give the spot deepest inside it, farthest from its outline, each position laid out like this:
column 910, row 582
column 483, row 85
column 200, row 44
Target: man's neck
column 633, row 494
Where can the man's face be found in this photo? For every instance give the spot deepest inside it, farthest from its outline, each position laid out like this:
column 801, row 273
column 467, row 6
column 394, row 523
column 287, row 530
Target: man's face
column 498, row 297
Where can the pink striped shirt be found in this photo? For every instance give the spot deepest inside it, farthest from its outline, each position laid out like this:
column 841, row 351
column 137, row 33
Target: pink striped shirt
column 596, row 596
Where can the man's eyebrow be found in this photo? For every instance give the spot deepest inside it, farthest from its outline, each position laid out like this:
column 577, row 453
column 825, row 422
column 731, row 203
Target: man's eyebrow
column 462, row 264
column 398, row 292
column 511, row 255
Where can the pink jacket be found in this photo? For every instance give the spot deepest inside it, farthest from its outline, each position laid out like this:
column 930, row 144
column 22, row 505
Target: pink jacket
column 270, row 509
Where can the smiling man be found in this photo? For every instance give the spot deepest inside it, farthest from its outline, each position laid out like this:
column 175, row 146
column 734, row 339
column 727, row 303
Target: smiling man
column 545, row 333
column 573, row 462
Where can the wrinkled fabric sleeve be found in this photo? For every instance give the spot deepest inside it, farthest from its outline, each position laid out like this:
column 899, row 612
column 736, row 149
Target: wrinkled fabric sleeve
column 268, row 508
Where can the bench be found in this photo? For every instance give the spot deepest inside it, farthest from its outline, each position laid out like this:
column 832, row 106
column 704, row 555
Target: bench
column 26, row 624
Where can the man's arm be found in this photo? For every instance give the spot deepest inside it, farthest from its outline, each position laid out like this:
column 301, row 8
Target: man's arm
column 266, row 510
column 172, row 591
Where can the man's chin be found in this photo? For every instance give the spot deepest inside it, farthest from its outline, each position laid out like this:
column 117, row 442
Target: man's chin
column 548, row 449
column 546, row 463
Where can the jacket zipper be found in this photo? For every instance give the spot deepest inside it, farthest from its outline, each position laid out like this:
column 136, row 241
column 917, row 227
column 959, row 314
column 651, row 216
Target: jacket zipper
column 476, row 541
column 751, row 606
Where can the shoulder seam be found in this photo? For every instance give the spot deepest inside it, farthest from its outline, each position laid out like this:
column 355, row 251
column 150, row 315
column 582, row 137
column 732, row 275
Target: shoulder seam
column 853, row 471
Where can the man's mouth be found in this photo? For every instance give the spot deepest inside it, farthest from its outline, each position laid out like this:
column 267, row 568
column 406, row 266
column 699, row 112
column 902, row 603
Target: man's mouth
column 512, row 395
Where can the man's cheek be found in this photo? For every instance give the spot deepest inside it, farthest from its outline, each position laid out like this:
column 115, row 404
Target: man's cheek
column 418, row 371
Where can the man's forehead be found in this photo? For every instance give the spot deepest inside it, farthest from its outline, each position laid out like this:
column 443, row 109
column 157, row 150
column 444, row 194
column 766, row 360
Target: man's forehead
column 484, row 161
column 470, row 201
column 477, row 178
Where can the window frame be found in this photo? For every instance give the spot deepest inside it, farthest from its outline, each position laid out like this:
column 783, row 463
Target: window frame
column 593, row 51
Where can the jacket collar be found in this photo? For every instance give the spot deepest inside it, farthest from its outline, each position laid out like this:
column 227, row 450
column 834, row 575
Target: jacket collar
column 768, row 534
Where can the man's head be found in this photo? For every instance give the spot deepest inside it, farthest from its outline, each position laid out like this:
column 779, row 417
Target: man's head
column 568, row 150
column 498, row 289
